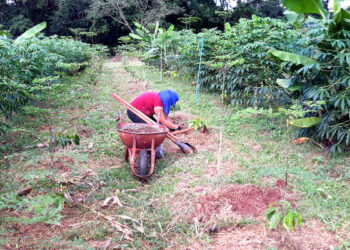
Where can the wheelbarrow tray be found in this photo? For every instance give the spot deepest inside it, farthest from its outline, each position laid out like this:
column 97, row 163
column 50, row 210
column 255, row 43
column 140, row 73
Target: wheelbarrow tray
column 143, row 140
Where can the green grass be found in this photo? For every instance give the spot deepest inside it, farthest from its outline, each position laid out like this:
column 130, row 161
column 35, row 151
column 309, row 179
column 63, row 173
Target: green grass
column 306, row 175
column 260, row 149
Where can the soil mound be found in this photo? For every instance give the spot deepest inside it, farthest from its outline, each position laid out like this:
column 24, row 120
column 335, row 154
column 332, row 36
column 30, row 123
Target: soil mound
column 140, row 128
column 239, row 199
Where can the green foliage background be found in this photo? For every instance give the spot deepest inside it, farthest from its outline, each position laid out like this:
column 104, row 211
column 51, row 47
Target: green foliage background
column 243, row 63
column 30, row 67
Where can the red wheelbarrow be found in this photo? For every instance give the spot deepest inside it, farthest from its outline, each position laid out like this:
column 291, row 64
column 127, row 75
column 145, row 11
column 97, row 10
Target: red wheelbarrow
column 140, row 139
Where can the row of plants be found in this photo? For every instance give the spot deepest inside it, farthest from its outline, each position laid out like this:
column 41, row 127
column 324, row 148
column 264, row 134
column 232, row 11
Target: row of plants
column 266, row 62
column 32, row 64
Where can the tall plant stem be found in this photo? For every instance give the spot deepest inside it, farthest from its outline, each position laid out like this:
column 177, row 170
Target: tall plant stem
column 223, row 86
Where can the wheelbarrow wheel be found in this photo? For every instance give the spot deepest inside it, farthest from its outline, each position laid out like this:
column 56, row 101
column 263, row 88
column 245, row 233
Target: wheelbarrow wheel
column 143, row 162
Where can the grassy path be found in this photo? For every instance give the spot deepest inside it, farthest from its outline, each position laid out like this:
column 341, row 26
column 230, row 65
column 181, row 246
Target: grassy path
column 214, row 199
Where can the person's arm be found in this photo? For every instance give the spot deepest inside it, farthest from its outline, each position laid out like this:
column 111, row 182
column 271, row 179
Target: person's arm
column 164, row 119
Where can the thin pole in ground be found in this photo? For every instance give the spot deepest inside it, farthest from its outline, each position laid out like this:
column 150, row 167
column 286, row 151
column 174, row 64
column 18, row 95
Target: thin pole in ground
column 161, row 60
column 199, row 71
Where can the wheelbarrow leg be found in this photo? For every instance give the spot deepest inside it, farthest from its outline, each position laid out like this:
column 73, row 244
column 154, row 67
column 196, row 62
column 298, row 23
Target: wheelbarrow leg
column 132, row 155
column 126, row 154
column 153, row 157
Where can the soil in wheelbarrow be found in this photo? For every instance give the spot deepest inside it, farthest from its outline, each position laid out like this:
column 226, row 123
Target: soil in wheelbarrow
column 140, row 128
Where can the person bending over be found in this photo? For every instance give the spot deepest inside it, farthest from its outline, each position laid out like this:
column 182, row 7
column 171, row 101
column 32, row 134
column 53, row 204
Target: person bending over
column 151, row 103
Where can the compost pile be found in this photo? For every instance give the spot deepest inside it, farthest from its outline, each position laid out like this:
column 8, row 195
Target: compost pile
column 141, row 128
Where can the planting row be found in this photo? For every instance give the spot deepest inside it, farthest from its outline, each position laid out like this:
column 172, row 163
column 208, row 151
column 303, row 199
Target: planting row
column 30, row 66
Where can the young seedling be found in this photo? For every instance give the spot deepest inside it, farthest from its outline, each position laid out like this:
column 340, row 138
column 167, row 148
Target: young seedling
column 281, row 212
column 197, row 123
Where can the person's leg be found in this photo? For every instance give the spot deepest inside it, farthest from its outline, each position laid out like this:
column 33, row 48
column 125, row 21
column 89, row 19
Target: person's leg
column 134, row 118
column 159, row 152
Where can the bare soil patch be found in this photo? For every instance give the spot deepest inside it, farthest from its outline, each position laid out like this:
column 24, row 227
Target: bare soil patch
column 240, row 199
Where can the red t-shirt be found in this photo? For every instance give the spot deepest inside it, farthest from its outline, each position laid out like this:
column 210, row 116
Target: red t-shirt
column 146, row 103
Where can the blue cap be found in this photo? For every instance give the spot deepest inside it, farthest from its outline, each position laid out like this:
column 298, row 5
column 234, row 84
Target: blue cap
column 168, row 97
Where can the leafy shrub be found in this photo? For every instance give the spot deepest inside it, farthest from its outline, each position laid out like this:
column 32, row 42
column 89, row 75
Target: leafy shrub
column 29, row 63
column 247, row 76
column 319, row 72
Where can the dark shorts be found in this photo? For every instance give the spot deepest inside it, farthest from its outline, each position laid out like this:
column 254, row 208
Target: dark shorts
column 134, row 118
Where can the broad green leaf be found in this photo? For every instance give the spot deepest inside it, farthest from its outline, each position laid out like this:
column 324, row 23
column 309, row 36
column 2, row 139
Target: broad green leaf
column 275, row 220
column 299, row 220
column 287, row 84
column 305, row 122
column 171, row 28
column 290, row 57
column 135, row 36
column 336, row 5
column 270, row 212
column 341, row 16
column 138, row 25
column 293, row 17
column 306, row 6
column 341, row 21
column 284, row 83
column 287, row 221
column 31, row 32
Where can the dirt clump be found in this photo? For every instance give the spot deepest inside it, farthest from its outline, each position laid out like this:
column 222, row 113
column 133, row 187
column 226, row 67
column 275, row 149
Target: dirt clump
column 238, row 199
column 141, row 128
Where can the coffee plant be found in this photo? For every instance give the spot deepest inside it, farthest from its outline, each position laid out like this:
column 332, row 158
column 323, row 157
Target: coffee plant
column 240, row 64
column 319, row 72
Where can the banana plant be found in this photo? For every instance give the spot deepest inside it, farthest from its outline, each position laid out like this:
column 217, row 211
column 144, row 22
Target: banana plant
column 147, row 39
column 144, row 35
column 31, row 32
column 165, row 36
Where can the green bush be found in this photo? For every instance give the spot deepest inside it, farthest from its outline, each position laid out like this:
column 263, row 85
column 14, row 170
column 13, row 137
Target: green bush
column 247, row 76
column 28, row 64
column 319, row 72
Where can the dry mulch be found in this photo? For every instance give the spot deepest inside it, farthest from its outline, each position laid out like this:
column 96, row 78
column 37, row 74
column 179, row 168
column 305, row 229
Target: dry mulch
column 257, row 236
